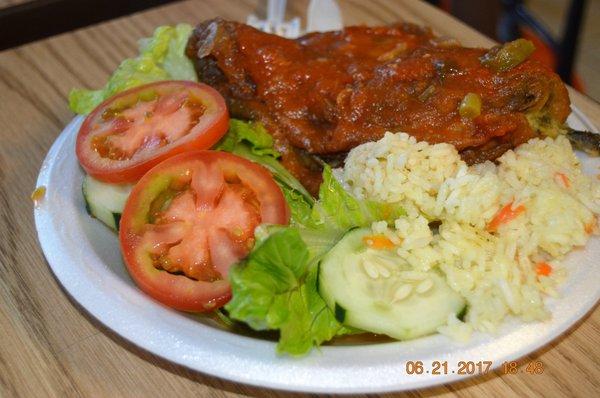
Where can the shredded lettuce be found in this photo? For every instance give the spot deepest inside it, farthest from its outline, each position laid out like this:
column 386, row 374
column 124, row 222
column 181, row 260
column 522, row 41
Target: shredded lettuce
column 162, row 57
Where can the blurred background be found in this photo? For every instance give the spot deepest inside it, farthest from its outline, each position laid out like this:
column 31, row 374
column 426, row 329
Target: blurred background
column 564, row 32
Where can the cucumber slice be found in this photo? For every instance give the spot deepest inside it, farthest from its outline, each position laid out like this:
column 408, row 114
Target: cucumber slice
column 105, row 201
column 379, row 303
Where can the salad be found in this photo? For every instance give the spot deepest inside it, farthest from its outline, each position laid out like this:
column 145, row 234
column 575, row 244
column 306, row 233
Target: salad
column 207, row 217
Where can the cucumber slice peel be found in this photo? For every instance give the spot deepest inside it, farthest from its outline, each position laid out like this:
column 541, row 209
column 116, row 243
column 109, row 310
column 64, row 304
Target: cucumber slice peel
column 105, row 201
column 389, row 304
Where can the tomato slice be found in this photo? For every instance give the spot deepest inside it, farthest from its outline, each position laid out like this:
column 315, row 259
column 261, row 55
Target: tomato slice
column 189, row 219
column 129, row 133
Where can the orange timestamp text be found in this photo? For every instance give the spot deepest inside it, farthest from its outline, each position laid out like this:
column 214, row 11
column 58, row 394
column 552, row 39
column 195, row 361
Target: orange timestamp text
column 512, row 368
column 445, row 368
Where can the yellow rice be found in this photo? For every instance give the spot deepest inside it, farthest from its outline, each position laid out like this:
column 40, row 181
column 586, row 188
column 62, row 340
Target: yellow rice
column 494, row 271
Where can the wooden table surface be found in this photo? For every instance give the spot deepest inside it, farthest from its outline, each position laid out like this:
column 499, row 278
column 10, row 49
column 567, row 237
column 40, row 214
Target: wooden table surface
column 9, row 3
column 49, row 346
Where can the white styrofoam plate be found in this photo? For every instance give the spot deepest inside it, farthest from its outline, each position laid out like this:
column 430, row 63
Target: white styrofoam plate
column 85, row 257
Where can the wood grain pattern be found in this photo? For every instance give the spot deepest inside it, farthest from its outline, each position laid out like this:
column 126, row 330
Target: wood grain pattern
column 50, row 347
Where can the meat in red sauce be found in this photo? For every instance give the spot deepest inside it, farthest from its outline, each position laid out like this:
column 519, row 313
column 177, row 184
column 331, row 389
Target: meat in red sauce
column 325, row 93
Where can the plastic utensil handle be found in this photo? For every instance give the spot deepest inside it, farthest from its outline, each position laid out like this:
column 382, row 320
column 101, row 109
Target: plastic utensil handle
column 276, row 11
column 323, row 15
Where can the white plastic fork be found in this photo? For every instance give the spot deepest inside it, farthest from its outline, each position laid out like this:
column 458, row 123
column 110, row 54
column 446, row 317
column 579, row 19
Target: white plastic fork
column 275, row 22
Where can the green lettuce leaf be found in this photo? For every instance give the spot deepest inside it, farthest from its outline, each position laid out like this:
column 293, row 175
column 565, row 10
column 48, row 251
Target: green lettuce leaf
column 276, row 288
column 250, row 140
column 338, row 208
column 162, row 57
column 251, row 133
column 300, row 206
